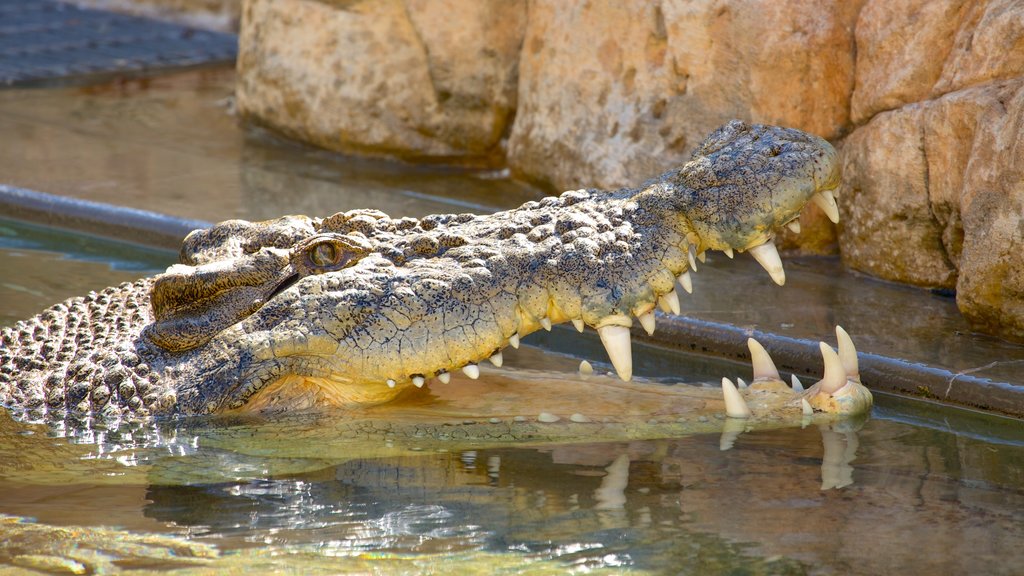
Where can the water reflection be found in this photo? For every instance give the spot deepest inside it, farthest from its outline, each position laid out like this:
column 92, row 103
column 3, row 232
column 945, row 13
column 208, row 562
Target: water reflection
column 779, row 501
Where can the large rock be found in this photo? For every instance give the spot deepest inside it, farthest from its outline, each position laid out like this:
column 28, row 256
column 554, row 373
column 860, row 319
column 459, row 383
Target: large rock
column 403, row 78
column 888, row 228
column 990, row 291
column 914, row 50
column 933, row 195
column 611, row 93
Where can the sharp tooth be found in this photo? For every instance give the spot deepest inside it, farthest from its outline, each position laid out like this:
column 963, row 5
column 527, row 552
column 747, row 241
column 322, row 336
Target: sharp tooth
column 647, row 321
column 546, row 323
column 691, row 256
column 578, row 323
column 444, row 377
column 703, row 257
column 663, row 305
column 686, row 281
column 586, row 368
column 616, row 343
column 740, row 383
column 471, row 370
column 798, row 386
column 827, row 202
column 728, row 252
column 835, row 376
column 768, row 257
column 848, row 354
column 794, row 226
column 761, row 361
column 513, row 341
column 805, row 407
column 497, row 359
column 391, row 383
column 735, row 407
column 670, row 300
column 418, row 381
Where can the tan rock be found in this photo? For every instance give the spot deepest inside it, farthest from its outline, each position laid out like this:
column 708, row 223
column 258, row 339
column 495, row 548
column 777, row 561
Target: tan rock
column 990, row 291
column 383, row 77
column 933, row 195
column 902, row 46
column 887, row 228
column 989, row 46
column 611, row 93
column 913, row 50
column 660, row 78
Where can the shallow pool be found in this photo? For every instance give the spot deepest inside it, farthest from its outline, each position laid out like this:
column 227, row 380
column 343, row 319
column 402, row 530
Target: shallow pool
column 916, row 488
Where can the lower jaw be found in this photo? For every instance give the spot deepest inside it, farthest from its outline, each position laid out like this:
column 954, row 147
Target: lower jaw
column 295, row 393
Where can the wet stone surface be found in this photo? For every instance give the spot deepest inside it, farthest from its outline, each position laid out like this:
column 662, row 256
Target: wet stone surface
column 43, row 40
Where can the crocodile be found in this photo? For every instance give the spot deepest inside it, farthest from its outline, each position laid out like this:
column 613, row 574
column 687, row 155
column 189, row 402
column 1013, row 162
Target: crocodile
column 357, row 309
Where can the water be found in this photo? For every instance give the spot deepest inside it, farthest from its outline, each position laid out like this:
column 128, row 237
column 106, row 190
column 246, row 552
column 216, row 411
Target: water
column 916, row 488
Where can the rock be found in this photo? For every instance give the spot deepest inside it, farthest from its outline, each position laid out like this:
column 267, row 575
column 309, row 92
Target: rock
column 610, row 93
column 886, row 224
column 383, row 77
column 914, row 50
column 933, row 195
column 990, row 290
column 902, row 46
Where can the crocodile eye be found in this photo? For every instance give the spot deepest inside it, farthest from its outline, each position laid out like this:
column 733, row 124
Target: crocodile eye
column 324, row 254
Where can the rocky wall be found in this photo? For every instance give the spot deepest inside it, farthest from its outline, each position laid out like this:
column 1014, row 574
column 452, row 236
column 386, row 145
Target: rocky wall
column 923, row 98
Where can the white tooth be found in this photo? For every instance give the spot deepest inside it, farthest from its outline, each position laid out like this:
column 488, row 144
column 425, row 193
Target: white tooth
column 805, row 406
column 794, row 226
column 663, row 305
column 827, row 202
column 798, row 386
column 740, row 383
column 391, row 383
column 647, row 321
column 471, row 370
column 848, row 354
column 445, row 377
column 768, row 257
column 586, row 368
column 703, row 257
column 513, row 341
column 835, row 376
column 686, row 281
column 728, row 252
column 418, row 381
column 578, row 323
column 546, row 323
column 691, row 256
column 497, row 359
column 616, row 343
column 735, row 407
column 671, row 301
column 761, row 361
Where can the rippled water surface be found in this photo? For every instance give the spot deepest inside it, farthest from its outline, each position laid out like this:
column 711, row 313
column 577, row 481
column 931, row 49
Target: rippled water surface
column 914, row 489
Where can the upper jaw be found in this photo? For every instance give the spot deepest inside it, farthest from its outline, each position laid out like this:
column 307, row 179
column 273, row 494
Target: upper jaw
column 766, row 175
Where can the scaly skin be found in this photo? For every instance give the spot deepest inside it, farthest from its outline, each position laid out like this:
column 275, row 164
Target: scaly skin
column 354, row 308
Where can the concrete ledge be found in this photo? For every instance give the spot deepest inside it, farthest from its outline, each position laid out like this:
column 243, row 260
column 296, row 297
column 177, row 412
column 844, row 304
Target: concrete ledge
column 96, row 218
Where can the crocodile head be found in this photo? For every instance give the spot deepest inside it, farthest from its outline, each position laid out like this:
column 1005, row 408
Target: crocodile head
column 356, row 307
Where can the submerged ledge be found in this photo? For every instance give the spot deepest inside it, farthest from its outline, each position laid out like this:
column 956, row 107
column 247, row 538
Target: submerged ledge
column 692, row 335
column 97, row 218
